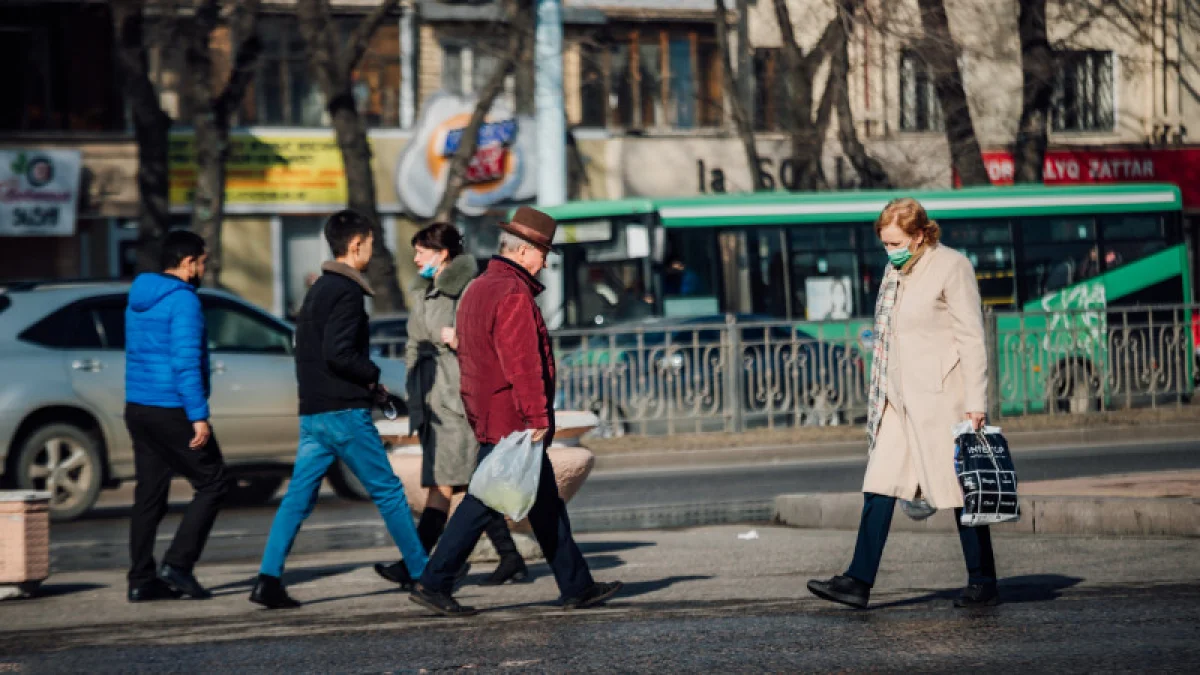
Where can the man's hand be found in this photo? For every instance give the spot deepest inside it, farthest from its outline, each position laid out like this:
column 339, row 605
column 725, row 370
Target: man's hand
column 977, row 420
column 203, row 434
column 539, row 435
column 450, row 337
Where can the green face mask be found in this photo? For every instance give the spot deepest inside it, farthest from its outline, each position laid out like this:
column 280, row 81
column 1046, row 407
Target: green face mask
column 899, row 257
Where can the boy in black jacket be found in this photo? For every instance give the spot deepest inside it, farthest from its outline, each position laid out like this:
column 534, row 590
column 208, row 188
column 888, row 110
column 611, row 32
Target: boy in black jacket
column 338, row 385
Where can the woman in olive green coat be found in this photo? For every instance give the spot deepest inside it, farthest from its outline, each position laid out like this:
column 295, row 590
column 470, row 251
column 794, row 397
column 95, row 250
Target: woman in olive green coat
column 436, row 413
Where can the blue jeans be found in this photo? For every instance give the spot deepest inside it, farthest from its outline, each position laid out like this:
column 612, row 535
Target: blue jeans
column 873, row 533
column 348, row 435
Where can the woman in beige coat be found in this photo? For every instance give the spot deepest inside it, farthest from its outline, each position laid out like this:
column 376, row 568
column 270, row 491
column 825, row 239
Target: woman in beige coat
column 929, row 373
column 448, row 446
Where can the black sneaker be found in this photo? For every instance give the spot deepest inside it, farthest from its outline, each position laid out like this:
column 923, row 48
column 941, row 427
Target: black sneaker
column 183, row 582
column 596, row 595
column 270, row 593
column 150, row 591
column 978, row 595
column 439, row 603
column 396, row 573
column 511, row 569
column 843, row 589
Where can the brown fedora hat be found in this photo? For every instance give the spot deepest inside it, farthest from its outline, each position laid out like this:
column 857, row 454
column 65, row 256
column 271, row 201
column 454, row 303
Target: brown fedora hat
column 533, row 226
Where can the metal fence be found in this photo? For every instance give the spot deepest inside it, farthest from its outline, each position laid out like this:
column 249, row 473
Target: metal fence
column 661, row 377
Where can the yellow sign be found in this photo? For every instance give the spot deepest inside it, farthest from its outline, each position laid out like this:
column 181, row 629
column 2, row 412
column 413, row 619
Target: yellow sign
column 266, row 171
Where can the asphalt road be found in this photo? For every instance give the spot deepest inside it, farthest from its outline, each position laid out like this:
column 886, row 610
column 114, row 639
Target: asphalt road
column 695, row 600
column 608, row 501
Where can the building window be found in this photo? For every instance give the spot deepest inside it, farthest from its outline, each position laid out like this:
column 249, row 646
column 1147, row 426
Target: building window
column 452, row 69
column 769, row 97
column 284, row 92
column 649, row 79
column 1083, row 92
column 920, row 109
column 466, row 69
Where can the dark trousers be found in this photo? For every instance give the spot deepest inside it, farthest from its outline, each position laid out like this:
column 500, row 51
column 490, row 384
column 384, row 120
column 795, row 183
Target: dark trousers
column 550, row 524
column 873, row 532
column 160, row 451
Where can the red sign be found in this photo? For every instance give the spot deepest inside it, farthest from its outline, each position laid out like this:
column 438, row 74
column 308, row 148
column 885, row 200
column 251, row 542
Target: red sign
column 1076, row 167
column 487, row 165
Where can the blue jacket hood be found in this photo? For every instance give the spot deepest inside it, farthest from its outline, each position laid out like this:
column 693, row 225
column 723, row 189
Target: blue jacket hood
column 150, row 288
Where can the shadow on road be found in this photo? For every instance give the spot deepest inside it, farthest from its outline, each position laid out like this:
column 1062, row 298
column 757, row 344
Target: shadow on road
column 1013, row 590
column 290, row 577
column 591, row 547
column 637, row 588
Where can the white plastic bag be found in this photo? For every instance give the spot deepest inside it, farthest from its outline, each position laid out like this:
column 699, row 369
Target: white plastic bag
column 507, row 479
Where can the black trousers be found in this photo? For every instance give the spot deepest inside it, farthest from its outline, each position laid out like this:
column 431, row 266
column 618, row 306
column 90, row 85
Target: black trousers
column 873, row 533
column 550, row 524
column 160, row 451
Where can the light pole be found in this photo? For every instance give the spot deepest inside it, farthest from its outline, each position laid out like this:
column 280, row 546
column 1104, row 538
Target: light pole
column 551, row 138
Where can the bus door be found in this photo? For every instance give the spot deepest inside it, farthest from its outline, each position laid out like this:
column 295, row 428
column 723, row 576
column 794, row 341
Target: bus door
column 756, row 273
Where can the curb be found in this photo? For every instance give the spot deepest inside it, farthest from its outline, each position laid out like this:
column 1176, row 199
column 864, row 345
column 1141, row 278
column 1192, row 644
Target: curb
column 1090, row 516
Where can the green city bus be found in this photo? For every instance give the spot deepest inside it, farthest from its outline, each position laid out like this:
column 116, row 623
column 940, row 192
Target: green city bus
column 1052, row 262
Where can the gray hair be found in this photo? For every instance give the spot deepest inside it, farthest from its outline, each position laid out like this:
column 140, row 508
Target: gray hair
column 510, row 243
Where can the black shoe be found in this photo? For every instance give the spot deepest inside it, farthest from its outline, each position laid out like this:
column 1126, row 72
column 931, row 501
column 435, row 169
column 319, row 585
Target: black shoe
column 596, row 595
column 511, row 568
column 396, row 573
column 150, row 591
column 439, row 603
column 843, row 589
column 183, row 582
column 270, row 593
column 978, row 595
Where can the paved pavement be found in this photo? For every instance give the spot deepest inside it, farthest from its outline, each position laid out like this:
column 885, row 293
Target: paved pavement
column 696, row 600
column 618, row 500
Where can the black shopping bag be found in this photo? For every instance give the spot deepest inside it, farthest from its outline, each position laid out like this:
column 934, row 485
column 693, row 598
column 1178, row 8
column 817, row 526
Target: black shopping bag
column 986, row 475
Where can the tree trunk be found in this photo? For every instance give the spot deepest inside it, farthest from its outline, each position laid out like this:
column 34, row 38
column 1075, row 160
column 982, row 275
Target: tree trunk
column 807, row 135
column 333, row 66
column 212, row 114
column 1037, row 73
column 521, row 21
column 941, row 55
column 150, row 126
column 741, row 120
column 870, row 171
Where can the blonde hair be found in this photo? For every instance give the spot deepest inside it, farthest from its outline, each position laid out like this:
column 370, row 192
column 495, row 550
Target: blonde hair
column 908, row 214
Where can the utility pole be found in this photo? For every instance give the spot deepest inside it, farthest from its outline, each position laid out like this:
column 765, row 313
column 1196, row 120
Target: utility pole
column 551, row 139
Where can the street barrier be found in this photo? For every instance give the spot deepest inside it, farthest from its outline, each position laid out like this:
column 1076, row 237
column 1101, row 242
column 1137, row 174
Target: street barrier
column 664, row 376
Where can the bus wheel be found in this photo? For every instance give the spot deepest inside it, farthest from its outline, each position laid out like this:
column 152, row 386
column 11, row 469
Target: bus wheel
column 1078, row 396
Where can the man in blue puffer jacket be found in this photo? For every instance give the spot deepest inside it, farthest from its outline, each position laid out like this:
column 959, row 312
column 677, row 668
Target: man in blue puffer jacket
column 166, row 412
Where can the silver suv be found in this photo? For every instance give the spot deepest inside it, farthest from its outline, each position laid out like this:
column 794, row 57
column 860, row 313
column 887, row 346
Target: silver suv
column 62, row 395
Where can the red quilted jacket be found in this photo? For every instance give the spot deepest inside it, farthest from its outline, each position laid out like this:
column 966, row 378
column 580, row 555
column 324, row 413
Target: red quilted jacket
column 505, row 355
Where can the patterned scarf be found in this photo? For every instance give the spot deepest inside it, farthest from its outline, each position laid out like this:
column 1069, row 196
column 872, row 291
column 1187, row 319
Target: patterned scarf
column 879, row 364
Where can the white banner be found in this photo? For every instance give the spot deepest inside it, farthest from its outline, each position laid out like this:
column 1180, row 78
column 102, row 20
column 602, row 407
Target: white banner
column 39, row 192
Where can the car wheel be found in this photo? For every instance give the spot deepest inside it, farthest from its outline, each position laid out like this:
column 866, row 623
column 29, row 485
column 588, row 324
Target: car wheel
column 64, row 460
column 253, row 490
column 611, row 423
column 1079, row 397
column 346, row 484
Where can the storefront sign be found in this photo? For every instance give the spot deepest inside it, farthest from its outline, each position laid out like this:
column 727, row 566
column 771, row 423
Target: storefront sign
column 1073, row 167
column 266, row 171
column 499, row 172
column 39, row 192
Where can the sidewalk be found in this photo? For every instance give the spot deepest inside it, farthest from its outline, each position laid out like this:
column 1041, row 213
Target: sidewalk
column 1162, row 503
column 683, row 573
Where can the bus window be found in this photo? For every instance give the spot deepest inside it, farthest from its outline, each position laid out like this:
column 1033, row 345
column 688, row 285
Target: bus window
column 824, row 272
column 611, row 293
column 1054, row 252
column 988, row 245
column 1129, row 237
column 690, row 274
column 768, row 276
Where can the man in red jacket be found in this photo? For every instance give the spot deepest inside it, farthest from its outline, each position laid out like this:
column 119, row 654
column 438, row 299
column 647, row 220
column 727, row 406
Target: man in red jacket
column 507, row 365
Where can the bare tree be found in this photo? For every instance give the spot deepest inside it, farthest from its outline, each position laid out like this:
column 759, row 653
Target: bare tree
column 941, row 53
column 870, row 171
column 1037, row 90
column 520, row 19
column 741, row 119
column 332, row 61
column 211, row 114
column 800, row 69
column 151, row 126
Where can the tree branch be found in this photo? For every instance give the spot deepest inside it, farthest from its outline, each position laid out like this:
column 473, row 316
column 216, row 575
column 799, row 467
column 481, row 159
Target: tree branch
column 248, row 46
column 740, row 117
column 360, row 39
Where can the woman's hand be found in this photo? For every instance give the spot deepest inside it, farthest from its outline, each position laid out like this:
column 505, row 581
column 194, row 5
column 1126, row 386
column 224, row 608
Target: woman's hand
column 450, row 338
column 977, row 420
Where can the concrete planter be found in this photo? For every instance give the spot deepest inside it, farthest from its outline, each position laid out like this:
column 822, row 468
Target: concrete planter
column 24, row 542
